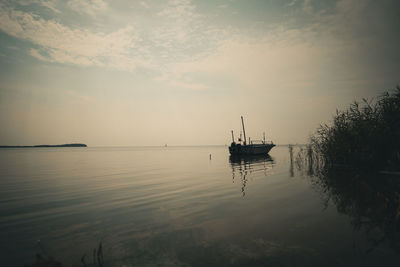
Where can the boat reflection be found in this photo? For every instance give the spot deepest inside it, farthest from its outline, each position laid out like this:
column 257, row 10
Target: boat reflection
column 244, row 167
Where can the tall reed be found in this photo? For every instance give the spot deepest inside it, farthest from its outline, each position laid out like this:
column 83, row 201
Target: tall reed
column 366, row 135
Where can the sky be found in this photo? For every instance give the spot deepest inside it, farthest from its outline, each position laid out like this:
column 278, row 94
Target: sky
column 182, row 72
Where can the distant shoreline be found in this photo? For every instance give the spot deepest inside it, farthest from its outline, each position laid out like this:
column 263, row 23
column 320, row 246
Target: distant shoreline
column 63, row 145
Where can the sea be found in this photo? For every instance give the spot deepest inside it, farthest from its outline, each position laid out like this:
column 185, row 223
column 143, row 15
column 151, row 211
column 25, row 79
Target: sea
column 179, row 206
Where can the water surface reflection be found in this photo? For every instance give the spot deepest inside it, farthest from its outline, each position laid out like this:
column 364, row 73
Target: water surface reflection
column 174, row 206
column 371, row 200
column 244, row 166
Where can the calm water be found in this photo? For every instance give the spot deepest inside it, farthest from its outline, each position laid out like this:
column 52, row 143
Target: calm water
column 173, row 206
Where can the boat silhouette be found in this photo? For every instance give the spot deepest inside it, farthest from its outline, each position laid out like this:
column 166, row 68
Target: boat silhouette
column 253, row 147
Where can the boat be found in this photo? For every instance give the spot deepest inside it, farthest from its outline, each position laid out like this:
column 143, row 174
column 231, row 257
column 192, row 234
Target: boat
column 255, row 147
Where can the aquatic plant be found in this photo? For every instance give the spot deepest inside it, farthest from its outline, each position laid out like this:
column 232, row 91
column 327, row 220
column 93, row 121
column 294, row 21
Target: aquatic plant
column 366, row 135
column 42, row 260
column 343, row 160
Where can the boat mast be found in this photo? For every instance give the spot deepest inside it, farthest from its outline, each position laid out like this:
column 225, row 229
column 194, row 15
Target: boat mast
column 233, row 139
column 244, row 133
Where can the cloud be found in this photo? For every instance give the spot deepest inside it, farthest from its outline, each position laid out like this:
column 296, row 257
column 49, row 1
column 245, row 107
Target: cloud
column 182, row 33
column 181, row 44
column 80, row 96
column 307, row 7
column 89, row 7
column 179, row 9
column 45, row 3
column 292, row 3
column 62, row 44
column 257, row 65
column 180, row 22
column 349, row 44
column 144, row 4
column 50, row 5
column 177, row 30
column 36, row 54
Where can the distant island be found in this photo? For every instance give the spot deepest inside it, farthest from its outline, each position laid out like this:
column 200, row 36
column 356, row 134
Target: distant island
column 63, row 145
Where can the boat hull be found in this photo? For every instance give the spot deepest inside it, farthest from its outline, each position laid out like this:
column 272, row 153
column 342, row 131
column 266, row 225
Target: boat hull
column 247, row 150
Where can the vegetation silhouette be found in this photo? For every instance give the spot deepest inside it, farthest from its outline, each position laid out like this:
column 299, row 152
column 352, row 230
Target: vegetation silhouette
column 347, row 161
column 365, row 136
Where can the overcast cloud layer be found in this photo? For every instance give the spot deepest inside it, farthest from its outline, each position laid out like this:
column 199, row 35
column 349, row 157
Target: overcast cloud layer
column 182, row 72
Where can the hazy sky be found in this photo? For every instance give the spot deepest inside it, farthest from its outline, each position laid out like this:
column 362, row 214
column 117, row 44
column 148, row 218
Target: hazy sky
column 182, row 72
